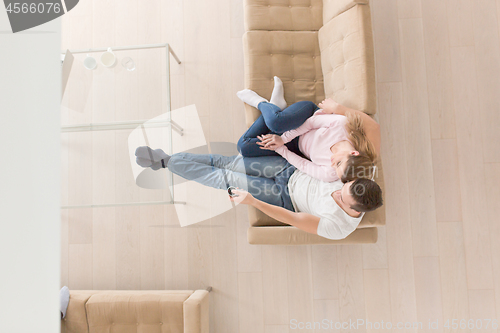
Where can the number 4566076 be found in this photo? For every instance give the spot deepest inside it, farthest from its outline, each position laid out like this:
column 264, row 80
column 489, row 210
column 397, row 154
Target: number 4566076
column 33, row 8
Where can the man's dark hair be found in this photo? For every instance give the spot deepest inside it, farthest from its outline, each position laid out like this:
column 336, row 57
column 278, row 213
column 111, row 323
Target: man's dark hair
column 367, row 194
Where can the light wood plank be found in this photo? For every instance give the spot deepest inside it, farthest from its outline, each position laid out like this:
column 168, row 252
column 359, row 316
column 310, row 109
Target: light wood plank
column 498, row 15
column 249, row 256
column 275, row 285
column 300, row 294
column 386, row 40
column 225, row 273
column 275, row 329
column 128, row 256
column 409, row 9
column 80, row 226
column 398, row 228
column 80, row 266
column 437, row 60
column 375, row 255
column 492, row 176
column 326, row 312
column 487, row 47
column 428, row 292
column 237, row 84
column 453, row 272
column 176, row 252
column 470, row 157
column 250, row 307
column 482, row 306
column 148, row 21
column 416, row 111
column 219, row 71
column 196, row 55
column 237, row 19
column 64, row 248
column 104, row 249
column 151, row 241
column 351, row 290
column 460, row 24
column 446, row 180
column 378, row 299
column 172, row 32
column 324, row 272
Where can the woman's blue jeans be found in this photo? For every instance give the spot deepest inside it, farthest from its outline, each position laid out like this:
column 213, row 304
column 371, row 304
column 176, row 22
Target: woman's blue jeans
column 276, row 121
column 265, row 177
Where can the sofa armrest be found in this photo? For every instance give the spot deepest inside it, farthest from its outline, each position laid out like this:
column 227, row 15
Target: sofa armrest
column 196, row 315
column 294, row 236
column 76, row 314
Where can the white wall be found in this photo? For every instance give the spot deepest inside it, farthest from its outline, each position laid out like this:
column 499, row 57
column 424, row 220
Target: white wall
column 29, row 177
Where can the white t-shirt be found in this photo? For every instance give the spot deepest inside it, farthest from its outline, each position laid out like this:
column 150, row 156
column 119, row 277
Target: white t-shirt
column 313, row 196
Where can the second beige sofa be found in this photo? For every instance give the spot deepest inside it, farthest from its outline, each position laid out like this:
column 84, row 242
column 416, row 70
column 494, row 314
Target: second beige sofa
column 174, row 311
column 319, row 49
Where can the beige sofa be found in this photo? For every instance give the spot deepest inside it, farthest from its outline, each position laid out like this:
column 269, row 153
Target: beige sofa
column 319, row 49
column 173, row 311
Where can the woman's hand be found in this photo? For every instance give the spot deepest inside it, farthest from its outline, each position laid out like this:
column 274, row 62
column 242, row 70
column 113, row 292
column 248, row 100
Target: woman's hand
column 270, row 141
column 329, row 106
column 242, row 197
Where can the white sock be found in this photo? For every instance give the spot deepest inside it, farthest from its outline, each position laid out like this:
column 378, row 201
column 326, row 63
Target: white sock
column 278, row 96
column 64, row 296
column 250, row 97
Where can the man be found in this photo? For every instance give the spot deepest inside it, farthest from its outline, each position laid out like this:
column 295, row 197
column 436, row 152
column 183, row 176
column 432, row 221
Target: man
column 274, row 186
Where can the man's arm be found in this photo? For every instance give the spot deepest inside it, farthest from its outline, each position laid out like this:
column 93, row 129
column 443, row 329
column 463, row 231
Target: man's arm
column 303, row 221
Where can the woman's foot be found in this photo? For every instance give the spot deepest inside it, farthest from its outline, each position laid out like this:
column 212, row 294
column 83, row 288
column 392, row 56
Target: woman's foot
column 250, row 97
column 278, row 96
column 147, row 157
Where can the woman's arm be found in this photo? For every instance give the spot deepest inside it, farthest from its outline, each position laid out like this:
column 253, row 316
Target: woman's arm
column 303, row 221
column 321, row 172
column 318, row 120
column 371, row 127
column 304, row 128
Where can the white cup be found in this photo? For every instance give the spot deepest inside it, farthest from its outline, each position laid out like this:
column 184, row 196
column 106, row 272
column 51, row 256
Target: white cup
column 108, row 58
column 90, row 63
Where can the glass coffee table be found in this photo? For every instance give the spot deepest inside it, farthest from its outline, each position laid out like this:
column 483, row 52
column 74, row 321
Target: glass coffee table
column 106, row 112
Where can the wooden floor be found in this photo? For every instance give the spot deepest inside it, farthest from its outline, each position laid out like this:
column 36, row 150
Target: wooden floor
column 438, row 81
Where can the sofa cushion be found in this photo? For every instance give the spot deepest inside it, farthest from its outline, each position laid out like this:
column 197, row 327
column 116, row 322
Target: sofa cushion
column 137, row 311
column 332, row 8
column 300, row 15
column 293, row 56
column 347, row 59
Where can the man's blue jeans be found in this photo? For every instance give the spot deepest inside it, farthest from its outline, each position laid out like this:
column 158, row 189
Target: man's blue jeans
column 276, row 121
column 266, row 177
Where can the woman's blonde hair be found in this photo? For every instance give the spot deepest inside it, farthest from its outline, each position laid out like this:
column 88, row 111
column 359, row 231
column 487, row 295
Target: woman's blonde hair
column 357, row 136
column 362, row 165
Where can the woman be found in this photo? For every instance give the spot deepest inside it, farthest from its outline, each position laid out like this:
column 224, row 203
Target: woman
column 340, row 142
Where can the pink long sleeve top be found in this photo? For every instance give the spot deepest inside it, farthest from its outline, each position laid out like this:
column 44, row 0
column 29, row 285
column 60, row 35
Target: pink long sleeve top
column 316, row 136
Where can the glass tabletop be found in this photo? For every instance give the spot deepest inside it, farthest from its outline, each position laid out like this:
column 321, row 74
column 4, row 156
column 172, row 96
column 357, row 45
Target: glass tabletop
column 101, row 107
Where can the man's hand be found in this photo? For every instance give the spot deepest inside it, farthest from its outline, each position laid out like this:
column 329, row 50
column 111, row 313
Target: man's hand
column 329, row 106
column 242, row 197
column 270, row 141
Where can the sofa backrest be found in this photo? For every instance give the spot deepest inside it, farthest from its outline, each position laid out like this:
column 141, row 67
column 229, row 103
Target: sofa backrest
column 125, row 311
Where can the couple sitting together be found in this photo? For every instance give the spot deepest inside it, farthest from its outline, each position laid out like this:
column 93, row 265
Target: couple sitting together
column 308, row 166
